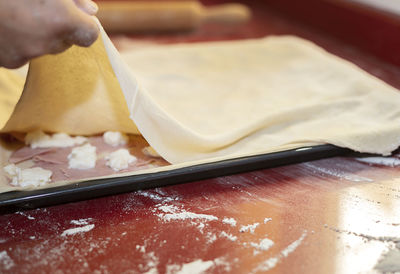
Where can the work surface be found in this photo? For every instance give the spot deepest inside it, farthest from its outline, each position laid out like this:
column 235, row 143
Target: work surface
column 326, row 216
column 333, row 215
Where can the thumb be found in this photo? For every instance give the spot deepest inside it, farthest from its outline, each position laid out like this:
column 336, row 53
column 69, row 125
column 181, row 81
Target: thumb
column 85, row 31
column 87, row 6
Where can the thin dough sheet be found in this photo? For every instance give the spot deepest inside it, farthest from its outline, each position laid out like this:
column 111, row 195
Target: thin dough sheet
column 199, row 103
column 228, row 99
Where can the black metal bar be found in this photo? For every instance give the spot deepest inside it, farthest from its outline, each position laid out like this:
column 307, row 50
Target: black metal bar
column 103, row 187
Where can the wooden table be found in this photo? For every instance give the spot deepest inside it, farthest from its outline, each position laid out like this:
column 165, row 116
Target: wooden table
column 337, row 215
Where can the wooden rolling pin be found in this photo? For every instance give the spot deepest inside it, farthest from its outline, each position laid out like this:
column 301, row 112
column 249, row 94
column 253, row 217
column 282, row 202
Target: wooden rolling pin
column 142, row 16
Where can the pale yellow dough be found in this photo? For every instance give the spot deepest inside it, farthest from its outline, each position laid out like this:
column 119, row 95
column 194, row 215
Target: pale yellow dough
column 229, row 99
column 204, row 102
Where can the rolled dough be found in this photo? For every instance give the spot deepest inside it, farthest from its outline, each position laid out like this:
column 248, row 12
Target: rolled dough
column 204, row 102
column 228, row 99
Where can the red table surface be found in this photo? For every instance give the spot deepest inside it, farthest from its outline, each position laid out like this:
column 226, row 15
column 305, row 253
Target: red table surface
column 337, row 215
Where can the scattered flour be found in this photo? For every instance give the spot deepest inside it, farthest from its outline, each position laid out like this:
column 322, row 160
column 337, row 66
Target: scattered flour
column 264, row 245
column 152, row 261
column 188, row 215
column 141, row 248
column 229, row 236
column 5, row 261
column 172, row 268
column 195, row 267
column 148, row 194
column 25, row 214
column 156, row 197
column 172, row 212
column 272, row 262
column 76, row 230
column 81, row 221
column 383, row 161
column 38, row 139
column 229, row 221
column 200, row 226
column 250, row 228
column 266, row 220
column 267, row 265
column 211, row 237
column 152, row 271
column 338, row 173
column 293, row 246
column 223, row 262
column 168, row 208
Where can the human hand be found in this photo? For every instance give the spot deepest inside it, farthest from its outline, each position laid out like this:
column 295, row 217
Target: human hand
column 31, row 28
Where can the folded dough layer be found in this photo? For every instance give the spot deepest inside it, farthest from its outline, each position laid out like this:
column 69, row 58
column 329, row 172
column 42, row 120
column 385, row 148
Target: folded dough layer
column 75, row 92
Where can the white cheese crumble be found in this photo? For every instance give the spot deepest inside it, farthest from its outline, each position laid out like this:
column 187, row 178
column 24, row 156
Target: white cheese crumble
column 115, row 138
column 120, row 159
column 83, row 157
column 36, row 176
column 39, row 139
column 149, row 151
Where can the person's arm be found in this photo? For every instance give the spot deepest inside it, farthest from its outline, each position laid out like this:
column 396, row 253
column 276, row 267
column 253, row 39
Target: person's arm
column 31, row 28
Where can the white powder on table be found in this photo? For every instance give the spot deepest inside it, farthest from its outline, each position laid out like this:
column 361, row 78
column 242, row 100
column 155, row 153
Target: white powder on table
column 76, row 230
column 172, row 212
column 383, row 161
column 152, row 271
column 338, row 173
column 293, row 246
column 264, row 244
column 250, row 228
column 195, row 267
column 229, row 221
column 272, row 262
column 25, row 214
column 6, row 261
column 266, row 220
column 228, row 236
column 211, row 237
column 188, row 215
column 81, row 221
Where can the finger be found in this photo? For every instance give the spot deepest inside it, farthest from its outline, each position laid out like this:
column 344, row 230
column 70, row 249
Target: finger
column 87, row 6
column 85, row 31
column 58, row 47
column 13, row 63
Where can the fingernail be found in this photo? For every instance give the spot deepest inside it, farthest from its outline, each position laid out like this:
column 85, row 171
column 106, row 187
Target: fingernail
column 91, row 7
